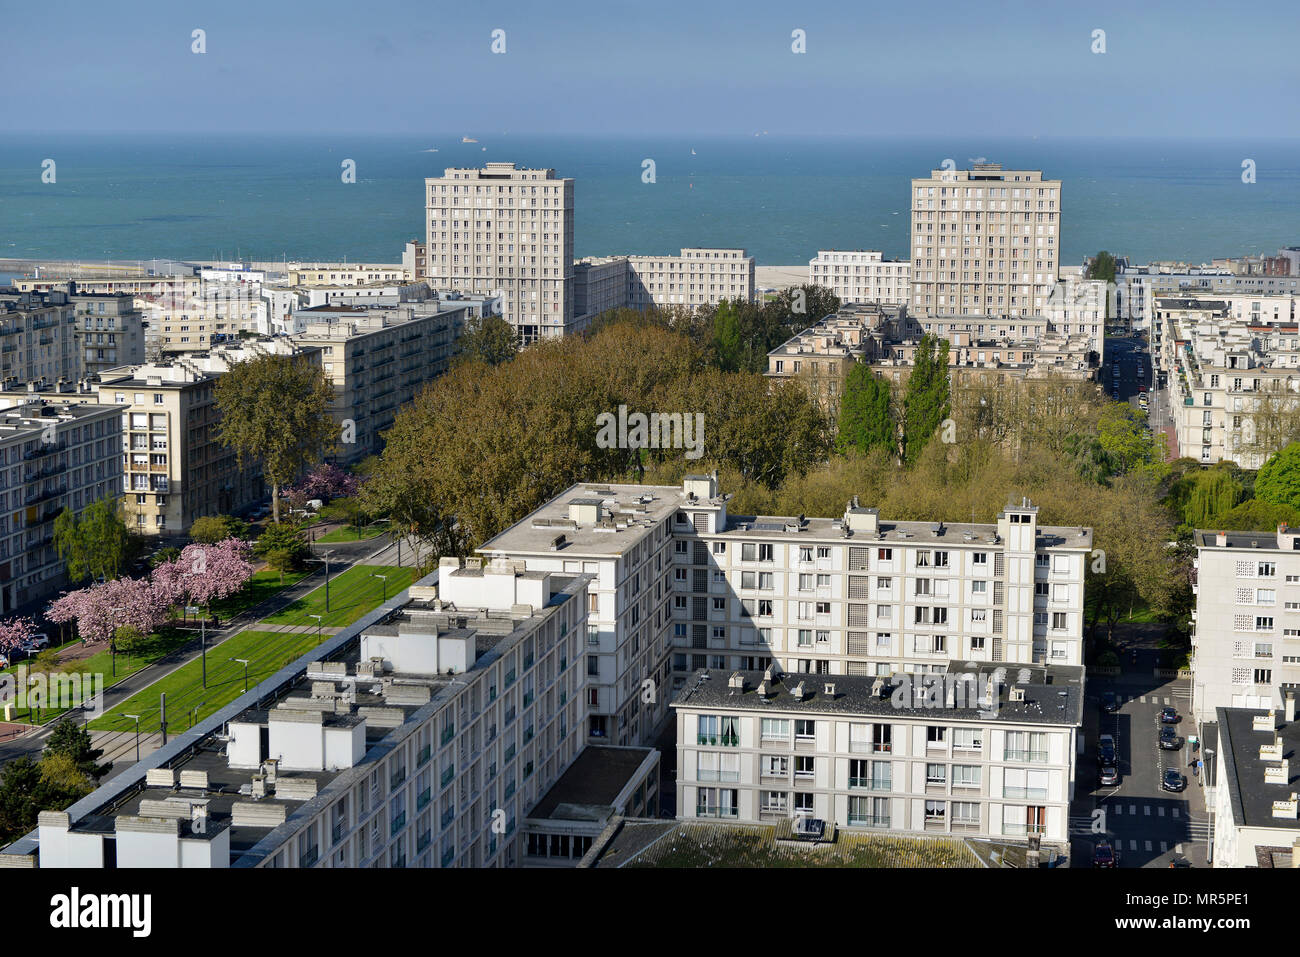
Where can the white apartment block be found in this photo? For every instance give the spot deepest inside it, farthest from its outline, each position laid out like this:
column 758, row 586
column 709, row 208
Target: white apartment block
column 599, row 285
column 110, row 330
column 1246, row 626
column 506, row 230
column 861, row 595
column 38, row 341
column 347, row 274
column 860, row 276
column 984, row 240
column 1253, row 794
column 1138, row 287
column 855, row 595
column 883, row 754
column 1233, row 384
column 52, row 456
column 422, row 738
column 621, row 535
column 183, row 318
column 698, row 277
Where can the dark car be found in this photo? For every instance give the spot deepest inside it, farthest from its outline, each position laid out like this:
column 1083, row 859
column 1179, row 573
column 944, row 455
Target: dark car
column 1109, row 703
column 1168, row 716
column 1108, row 775
column 1173, row 781
column 1169, row 739
column 1103, row 855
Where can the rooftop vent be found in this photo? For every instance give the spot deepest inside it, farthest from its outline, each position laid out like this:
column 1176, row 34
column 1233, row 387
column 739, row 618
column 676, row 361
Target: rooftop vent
column 736, row 683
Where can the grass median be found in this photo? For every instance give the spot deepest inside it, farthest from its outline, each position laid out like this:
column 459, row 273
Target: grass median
column 352, row 594
column 187, row 698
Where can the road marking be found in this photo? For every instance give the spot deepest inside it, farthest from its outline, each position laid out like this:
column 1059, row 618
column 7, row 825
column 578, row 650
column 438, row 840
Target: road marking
column 1167, row 701
column 1146, row 809
column 1162, row 811
column 1132, row 845
column 1148, row 845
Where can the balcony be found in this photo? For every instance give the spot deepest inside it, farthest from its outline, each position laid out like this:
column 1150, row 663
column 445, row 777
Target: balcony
column 399, row 822
column 1031, row 756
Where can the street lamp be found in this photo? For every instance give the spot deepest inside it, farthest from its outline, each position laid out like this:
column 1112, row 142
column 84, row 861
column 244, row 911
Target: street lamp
column 318, row 620
column 244, row 662
column 384, row 579
column 137, row 735
column 112, row 642
column 326, row 556
column 194, row 712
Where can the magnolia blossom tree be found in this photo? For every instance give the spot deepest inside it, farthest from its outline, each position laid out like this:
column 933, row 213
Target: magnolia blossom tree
column 14, row 632
column 203, row 574
column 101, row 609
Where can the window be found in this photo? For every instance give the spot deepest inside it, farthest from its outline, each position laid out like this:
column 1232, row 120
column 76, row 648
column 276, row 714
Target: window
column 805, row 729
column 936, row 736
column 980, row 558
column 776, row 765
column 804, row 767
column 1058, row 621
column 936, row 775
column 775, row 729
column 966, row 776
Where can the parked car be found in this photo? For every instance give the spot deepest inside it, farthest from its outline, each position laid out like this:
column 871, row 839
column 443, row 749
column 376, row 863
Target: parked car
column 1108, row 775
column 1173, row 781
column 1169, row 739
column 1168, row 716
column 1109, row 703
column 39, row 640
column 1103, row 855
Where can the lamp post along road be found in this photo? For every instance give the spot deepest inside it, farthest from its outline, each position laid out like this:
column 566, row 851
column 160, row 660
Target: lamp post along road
column 137, row 735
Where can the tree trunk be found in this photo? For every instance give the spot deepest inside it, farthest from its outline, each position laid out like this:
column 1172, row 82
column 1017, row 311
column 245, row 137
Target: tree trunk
column 275, row 505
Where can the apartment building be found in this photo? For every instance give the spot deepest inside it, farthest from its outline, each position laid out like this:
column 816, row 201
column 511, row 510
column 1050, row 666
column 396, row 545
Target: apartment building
column 984, row 241
column 174, row 467
column 53, row 456
column 185, row 319
column 997, row 360
column 347, row 274
column 861, row 276
column 1077, row 307
column 861, row 595
column 599, row 285
column 378, row 359
column 698, row 277
column 1233, row 384
column 1246, row 626
column 415, row 260
column 508, row 230
column 1138, row 287
column 986, row 754
column 38, row 340
column 420, row 737
column 1253, row 796
column 110, row 331
column 621, row 535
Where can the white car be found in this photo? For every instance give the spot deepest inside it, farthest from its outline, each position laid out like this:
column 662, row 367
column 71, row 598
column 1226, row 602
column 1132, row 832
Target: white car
column 37, row 641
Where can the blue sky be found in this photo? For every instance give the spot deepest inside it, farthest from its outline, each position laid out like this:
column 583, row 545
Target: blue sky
column 658, row 66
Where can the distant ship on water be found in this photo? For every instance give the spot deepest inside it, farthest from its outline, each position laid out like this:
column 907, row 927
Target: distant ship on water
column 468, row 139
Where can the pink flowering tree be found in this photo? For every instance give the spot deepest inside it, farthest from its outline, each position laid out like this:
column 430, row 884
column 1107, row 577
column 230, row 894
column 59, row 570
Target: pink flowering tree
column 327, row 482
column 202, row 574
column 14, row 632
column 101, row 609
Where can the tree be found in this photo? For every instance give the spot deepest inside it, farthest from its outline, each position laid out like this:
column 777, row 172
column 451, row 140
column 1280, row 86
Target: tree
column 210, row 529
column 24, row 794
column 283, row 547
column 865, row 421
column 487, row 339
column 1278, row 482
column 94, row 544
column 73, row 741
column 14, row 632
column 326, row 482
column 1257, row 516
column 926, row 402
column 202, row 574
column 1119, row 430
column 1213, row 493
column 275, row 410
column 100, row 609
column 726, row 336
column 61, row 774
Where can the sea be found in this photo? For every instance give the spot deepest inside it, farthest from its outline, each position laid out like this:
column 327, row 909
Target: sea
column 245, row 197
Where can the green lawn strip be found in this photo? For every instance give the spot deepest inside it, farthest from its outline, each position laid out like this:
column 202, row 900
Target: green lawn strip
column 143, row 654
column 267, row 652
column 260, row 587
column 352, row 594
column 349, row 534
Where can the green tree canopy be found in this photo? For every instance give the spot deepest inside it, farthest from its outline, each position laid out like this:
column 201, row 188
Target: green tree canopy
column 210, row 529
column 1278, row 482
column 94, row 544
column 275, row 410
column 488, row 339
column 73, row 741
column 865, row 420
column 926, row 402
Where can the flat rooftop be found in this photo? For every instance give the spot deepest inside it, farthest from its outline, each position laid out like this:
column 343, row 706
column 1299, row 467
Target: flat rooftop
column 1243, row 770
column 1052, row 694
column 593, row 781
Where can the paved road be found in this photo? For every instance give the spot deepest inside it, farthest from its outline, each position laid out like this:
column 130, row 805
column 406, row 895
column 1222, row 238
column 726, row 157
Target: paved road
column 342, row 556
column 1149, row 826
